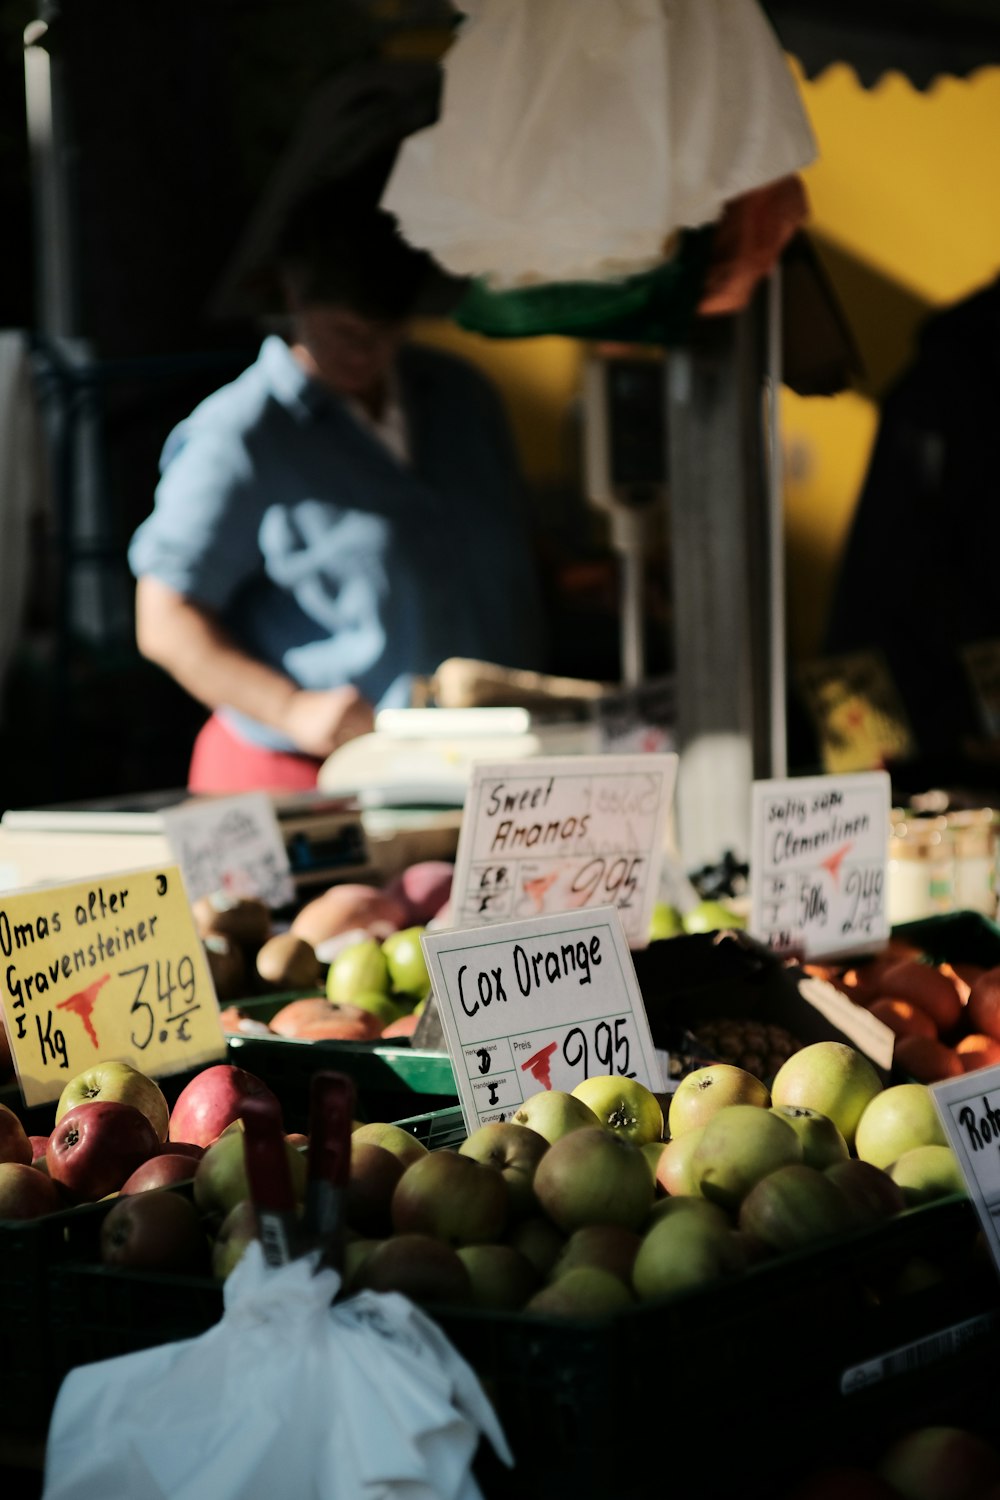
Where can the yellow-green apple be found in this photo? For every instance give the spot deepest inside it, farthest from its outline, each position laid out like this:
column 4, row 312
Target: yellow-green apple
column 711, row 916
column 928, row 1172
column 673, row 1167
column 822, row 1142
column 26, row 1193
column 154, row 1232
column 795, row 1206
column 421, row 1266
column 96, row 1146
column 869, row 1189
column 665, row 921
column 220, row 1177
column 554, row 1113
column 831, row 1077
column 666, row 1208
column 652, row 1151
column 124, row 1084
column 594, row 1176
column 515, row 1151
column 212, row 1100
column 15, row 1144
column 355, row 1254
column 407, row 967
column 501, row 1277
column 897, row 1119
column 740, row 1145
column 452, row 1197
column 382, row 1006
column 606, row 1245
column 683, row 1252
column 160, row 1171
column 358, row 970
column 623, row 1104
column 539, row 1240
column 585, row 1292
column 392, row 1137
column 701, row 1094
column 373, row 1175
column 234, row 1234
column 936, row 1462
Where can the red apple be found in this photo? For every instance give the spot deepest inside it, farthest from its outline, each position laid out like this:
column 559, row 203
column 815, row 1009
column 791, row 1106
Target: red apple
column 212, row 1100
column 39, row 1146
column 423, row 888
column 154, row 1232
column 95, row 1147
column 452, row 1197
column 26, row 1193
column 502, row 1278
column 14, row 1142
column 418, row 1265
column 794, row 1207
column 160, row 1171
column 606, row 1245
column 122, row 1083
column 182, row 1148
column 374, row 1173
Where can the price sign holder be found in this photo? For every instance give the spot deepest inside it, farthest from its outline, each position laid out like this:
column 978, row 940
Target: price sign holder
column 540, row 1004
column 819, row 850
column 231, row 844
column 563, row 833
column 969, row 1108
column 109, row 969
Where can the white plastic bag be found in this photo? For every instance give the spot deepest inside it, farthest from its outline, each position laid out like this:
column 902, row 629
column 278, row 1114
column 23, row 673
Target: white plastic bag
column 285, row 1396
column 576, row 137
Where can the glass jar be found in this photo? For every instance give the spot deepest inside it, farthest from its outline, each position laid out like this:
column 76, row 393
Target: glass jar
column 974, row 832
column 921, row 870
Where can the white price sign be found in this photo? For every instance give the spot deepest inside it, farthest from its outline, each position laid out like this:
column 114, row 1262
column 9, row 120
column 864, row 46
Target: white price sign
column 561, row 833
column 969, row 1108
column 541, row 1004
column 231, row 844
column 819, row 849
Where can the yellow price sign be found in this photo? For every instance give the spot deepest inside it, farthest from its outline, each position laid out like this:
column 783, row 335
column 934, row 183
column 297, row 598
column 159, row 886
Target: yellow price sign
column 111, row 968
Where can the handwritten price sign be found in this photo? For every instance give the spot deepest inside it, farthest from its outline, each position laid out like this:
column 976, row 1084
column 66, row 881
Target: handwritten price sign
column 536, row 1005
column 231, row 844
column 105, row 969
column 559, row 834
column 819, row 848
column 969, row 1109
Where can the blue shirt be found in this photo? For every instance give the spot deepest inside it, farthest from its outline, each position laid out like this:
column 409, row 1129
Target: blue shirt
column 324, row 556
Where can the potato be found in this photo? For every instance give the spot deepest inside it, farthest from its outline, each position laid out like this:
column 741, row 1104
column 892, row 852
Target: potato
column 226, row 965
column 240, row 918
column 288, row 962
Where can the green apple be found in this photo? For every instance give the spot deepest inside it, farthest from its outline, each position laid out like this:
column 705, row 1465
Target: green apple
column 515, row 1151
column 392, row 1137
column 120, row 1082
column 594, row 1176
column 220, row 1175
column 380, row 1005
column 666, row 1208
column 407, row 967
column 624, row 1105
column 683, row 1252
column 895, row 1120
column 795, row 1206
column 501, row 1277
column 585, row 1292
column 740, row 1145
column 357, row 970
column 831, row 1077
column 822, row 1142
column 451, row 1197
column 673, row 1168
column 235, row 1232
column 538, row 1239
column 711, row 916
column 700, row 1094
column 553, row 1113
column 665, row 922
column 925, row 1173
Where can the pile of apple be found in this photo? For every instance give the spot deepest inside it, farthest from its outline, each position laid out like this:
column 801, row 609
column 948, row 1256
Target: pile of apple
column 946, row 1017
column 357, row 946
column 928, row 1462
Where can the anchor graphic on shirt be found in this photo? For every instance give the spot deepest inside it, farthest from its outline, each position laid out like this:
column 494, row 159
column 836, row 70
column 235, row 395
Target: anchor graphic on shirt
column 82, row 1005
column 539, row 1065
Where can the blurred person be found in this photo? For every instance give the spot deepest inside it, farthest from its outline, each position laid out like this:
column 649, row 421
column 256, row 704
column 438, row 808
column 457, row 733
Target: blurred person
column 334, row 523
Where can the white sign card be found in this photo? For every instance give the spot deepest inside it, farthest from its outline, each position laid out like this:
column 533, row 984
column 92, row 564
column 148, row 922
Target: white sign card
column 541, row 1004
column 231, row 844
column 819, row 849
column 561, row 833
column 969, row 1108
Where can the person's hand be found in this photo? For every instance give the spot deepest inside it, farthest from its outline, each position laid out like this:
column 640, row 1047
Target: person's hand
column 320, row 722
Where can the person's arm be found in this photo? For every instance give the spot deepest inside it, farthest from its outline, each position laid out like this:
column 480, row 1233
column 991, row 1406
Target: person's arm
column 188, row 642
